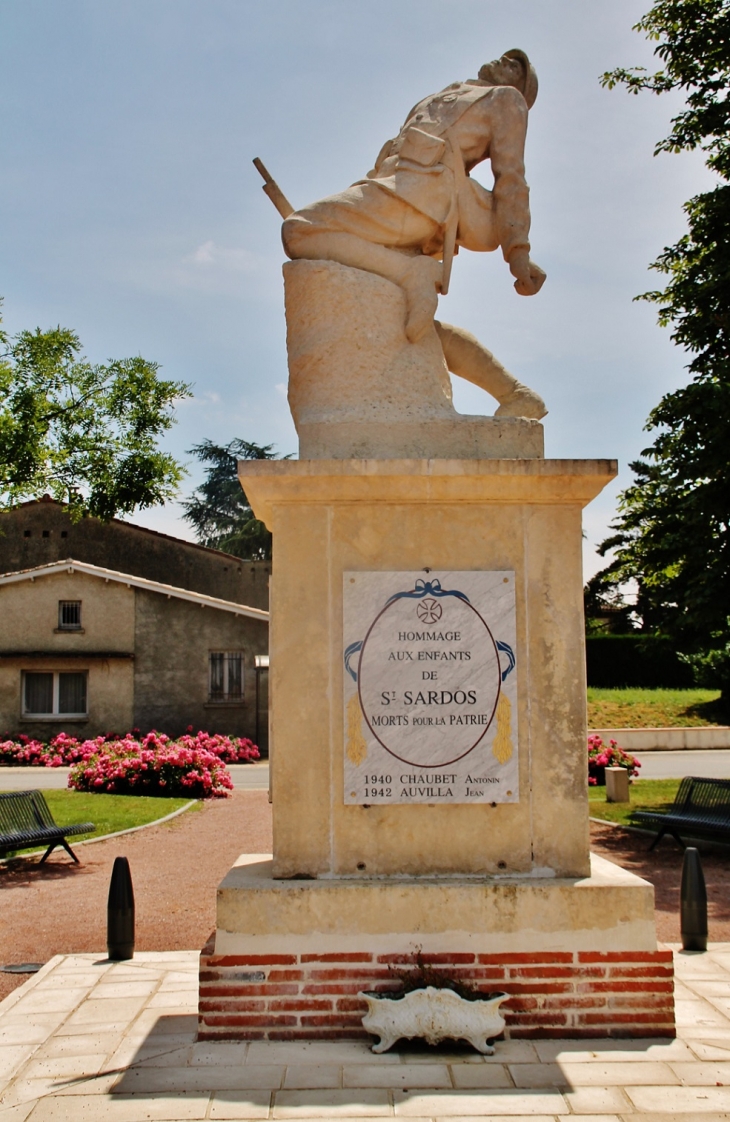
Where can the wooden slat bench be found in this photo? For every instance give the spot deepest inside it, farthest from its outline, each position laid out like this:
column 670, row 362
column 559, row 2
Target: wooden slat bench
column 26, row 821
column 701, row 809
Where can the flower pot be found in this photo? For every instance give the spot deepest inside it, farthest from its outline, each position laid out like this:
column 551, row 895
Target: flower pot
column 435, row 1015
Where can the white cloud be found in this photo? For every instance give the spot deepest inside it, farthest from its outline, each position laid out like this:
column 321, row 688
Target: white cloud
column 212, row 256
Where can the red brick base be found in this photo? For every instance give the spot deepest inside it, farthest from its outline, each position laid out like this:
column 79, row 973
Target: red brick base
column 555, row 994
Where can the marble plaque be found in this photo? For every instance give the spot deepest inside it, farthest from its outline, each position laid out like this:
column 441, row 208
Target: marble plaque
column 430, row 687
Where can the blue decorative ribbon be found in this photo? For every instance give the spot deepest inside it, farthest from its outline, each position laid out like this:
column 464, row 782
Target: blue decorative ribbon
column 510, row 655
column 352, row 650
column 427, row 588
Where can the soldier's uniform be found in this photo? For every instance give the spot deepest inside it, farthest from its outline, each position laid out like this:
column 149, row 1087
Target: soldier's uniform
column 419, row 195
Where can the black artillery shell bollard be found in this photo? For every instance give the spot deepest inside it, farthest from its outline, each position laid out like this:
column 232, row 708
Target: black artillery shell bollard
column 693, row 896
column 120, row 913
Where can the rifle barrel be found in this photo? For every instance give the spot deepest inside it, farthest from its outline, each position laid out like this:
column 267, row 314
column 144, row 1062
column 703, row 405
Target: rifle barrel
column 273, row 190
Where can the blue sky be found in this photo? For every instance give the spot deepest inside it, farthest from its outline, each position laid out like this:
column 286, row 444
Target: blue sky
column 130, row 211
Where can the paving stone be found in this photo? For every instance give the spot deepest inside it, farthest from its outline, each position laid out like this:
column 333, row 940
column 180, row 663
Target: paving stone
column 593, row 1118
column 671, row 1116
column 158, row 1022
column 135, row 1050
column 12, row 1058
column 678, row 1100
column 83, row 961
column 130, row 1108
column 480, row 1075
column 52, row 1000
column 79, row 978
column 105, row 1010
column 16, row 1113
column 144, row 1080
column 719, row 958
column 465, row 1104
column 310, row 1076
column 511, row 1052
column 223, row 1052
column 331, row 1104
column 24, row 1032
column 703, row 1074
column 81, row 1045
column 189, row 976
column 538, row 1075
column 618, row 1075
column 315, row 1051
column 711, row 1049
column 23, row 1090
column 184, row 1002
column 497, row 1118
column 103, row 1028
column 232, row 1104
column 711, row 987
column 401, row 1075
column 436, row 1055
column 611, row 1051
column 64, row 1067
column 124, row 989
column 161, row 1057
column 598, row 1100
column 698, row 1013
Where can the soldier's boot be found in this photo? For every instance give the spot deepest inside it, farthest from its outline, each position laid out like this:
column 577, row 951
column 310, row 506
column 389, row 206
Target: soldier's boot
column 522, row 402
column 468, row 358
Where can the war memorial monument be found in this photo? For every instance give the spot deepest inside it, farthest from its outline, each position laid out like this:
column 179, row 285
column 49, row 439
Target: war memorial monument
column 428, row 728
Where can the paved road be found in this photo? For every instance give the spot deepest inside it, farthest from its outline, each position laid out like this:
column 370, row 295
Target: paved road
column 255, row 777
column 674, row 765
column 248, row 777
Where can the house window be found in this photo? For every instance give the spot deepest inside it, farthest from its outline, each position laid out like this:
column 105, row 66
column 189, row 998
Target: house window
column 54, row 693
column 69, row 615
column 226, row 675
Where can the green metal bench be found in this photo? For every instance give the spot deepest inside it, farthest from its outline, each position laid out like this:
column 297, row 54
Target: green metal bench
column 701, row 809
column 26, row 821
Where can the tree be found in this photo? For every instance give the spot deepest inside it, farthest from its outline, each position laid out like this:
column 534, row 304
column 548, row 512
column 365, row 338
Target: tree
column 219, row 510
column 673, row 528
column 85, row 433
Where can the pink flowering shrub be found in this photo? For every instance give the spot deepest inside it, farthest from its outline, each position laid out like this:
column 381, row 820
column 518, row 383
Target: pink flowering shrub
column 601, row 756
column 64, row 750
column 22, row 752
column 154, row 765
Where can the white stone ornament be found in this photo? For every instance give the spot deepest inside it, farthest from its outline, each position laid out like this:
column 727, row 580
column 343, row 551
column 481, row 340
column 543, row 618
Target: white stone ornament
column 433, row 1015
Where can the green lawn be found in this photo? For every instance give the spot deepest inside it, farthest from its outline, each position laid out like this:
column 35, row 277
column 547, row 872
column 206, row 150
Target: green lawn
column 636, row 709
column 645, row 794
column 109, row 813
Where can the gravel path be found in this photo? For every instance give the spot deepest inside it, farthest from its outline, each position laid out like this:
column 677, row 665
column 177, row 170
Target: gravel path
column 60, row 908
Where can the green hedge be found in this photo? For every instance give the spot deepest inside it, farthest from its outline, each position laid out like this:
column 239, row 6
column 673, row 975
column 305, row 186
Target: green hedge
column 642, row 661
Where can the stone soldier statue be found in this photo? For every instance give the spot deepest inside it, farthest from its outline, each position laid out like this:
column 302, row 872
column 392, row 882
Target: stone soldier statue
column 408, row 218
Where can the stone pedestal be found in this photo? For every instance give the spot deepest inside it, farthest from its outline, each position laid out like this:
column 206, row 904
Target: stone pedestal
column 578, row 956
column 501, row 893
column 358, row 389
column 329, row 517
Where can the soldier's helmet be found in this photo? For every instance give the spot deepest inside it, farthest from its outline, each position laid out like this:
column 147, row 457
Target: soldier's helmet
column 529, row 84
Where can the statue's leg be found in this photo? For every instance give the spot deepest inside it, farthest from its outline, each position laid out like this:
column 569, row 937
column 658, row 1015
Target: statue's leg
column 466, row 357
column 361, row 230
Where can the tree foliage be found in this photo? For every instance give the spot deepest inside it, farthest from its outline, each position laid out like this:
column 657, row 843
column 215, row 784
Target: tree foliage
column 673, row 528
column 218, row 510
column 85, row 433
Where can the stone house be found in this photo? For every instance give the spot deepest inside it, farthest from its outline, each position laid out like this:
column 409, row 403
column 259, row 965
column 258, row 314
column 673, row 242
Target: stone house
column 92, row 648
